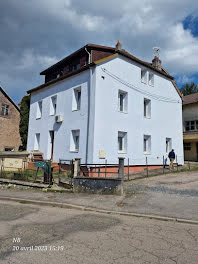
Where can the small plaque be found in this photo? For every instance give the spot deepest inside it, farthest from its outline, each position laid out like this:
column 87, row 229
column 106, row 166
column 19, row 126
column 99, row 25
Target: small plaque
column 102, row 154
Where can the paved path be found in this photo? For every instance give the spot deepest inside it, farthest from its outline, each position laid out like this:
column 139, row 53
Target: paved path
column 55, row 235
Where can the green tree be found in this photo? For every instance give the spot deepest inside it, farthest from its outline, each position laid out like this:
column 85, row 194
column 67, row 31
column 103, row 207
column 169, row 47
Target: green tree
column 187, row 88
column 24, row 120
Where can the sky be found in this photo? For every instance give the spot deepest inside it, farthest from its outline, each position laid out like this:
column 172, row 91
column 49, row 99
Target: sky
column 37, row 33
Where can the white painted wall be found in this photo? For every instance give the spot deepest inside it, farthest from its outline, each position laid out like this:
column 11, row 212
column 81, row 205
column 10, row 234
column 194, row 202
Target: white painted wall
column 72, row 119
column 105, row 121
column 165, row 121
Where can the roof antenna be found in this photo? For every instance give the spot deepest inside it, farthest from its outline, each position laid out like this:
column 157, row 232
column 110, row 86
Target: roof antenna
column 156, row 51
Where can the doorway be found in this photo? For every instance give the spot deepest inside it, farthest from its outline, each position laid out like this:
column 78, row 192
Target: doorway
column 51, row 144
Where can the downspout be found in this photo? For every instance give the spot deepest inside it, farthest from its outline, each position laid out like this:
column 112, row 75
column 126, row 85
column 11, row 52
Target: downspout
column 88, row 105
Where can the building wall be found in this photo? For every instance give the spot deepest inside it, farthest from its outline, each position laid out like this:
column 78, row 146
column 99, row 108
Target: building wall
column 165, row 121
column 73, row 120
column 191, row 155
column 9, row 126
column 190, row 112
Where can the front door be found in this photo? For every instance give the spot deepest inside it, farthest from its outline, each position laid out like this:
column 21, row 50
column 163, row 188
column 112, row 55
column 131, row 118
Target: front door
column 52, row 143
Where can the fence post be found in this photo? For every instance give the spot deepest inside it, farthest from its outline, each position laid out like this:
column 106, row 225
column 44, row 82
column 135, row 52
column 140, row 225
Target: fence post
column 105, row 168
column 177, row 162
column 121, row 172
column 163, row 165
column 76, row 168
column 128, row 169
column 147, row 166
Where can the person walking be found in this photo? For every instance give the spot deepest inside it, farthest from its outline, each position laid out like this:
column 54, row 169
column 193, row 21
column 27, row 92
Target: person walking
column 171, row 156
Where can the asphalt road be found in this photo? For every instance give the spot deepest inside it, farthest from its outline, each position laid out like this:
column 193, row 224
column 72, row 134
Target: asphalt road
column 54, row 235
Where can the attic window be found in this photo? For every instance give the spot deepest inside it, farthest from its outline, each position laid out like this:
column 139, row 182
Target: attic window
column 151, row 79
column 143, row 76
column 4, row 109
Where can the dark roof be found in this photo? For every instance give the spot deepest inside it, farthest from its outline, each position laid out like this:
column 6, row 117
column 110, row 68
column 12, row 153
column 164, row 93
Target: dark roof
column 190, row 99
column 104, row 48
column 6, row 95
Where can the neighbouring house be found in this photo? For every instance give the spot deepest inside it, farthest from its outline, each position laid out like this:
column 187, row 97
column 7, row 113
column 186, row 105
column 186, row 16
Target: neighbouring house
column 9, row 123
column 103, row 103
column 190, row 127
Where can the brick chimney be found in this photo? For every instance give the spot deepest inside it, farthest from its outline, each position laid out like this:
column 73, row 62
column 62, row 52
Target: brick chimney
column 157, row 63
column 118, row 45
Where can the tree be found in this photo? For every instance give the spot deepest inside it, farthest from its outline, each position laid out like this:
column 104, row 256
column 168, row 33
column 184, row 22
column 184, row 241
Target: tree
column 24, row 120
column 187, row 88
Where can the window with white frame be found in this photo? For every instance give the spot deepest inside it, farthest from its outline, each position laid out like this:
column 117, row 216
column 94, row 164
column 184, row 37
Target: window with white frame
column 168, row 145
column 151, row 79
column 75, row 140
column 76, row 99
column 39, row 110
column 37, row 141
column 4, row 109
column 191, row 125
column 147, row 108
column 147, row 144
column 53, row 103
column 143, row 76
column 122, row 101
column 122, row 142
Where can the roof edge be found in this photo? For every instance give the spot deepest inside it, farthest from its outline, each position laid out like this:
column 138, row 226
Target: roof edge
column 6, row 95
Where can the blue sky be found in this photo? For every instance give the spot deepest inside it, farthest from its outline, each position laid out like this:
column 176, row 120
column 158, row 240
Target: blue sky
column 35, row 34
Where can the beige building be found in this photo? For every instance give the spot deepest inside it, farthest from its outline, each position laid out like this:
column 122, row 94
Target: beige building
column 9, row 123
column 190, row 125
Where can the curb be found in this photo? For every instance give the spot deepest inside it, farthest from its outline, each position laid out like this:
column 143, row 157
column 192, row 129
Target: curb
column 91, row 209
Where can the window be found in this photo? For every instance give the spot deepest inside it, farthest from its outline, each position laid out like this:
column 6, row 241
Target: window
column 37, row 141
column 168, row 145
column 147, row 108
column 9, row 149
column 76, row 99
column 147, row 144
column 191, row 125
column 122, row 101
column 187, row 146
column 151, row 79
column 143, row 76
column 75, row 140
column 122, row 142
column 53, row 105
column 4, row 109
column 39, row 110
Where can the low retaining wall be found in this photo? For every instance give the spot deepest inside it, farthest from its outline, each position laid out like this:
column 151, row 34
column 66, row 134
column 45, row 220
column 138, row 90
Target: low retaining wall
column 97, row 185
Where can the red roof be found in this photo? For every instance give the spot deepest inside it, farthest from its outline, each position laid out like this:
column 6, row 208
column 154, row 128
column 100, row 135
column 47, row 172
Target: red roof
column 190, row 99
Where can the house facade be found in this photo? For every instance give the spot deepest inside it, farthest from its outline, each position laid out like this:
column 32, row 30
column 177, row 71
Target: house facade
column 190, row 127
column 9, row 123
column 109, row 104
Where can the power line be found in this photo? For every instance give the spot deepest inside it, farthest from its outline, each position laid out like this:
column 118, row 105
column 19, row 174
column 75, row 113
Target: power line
column 154, row 96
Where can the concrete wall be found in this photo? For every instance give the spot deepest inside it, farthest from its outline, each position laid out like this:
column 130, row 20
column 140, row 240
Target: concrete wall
column 190, row 113
column 72, row 119
column 165, row 121
column 9, row 126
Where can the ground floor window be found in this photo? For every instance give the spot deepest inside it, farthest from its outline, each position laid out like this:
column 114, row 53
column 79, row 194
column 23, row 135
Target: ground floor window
column 122, row 142
column 168, row 145
column 147, row 144
column 187, row 146
column 37, row 141
column 75, row 140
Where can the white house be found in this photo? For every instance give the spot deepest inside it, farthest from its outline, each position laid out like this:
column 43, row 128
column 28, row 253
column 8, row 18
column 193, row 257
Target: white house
column 104, row 103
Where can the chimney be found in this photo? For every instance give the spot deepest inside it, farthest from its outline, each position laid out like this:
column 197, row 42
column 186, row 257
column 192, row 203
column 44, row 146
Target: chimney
column 157, row 63
column 118, row 45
